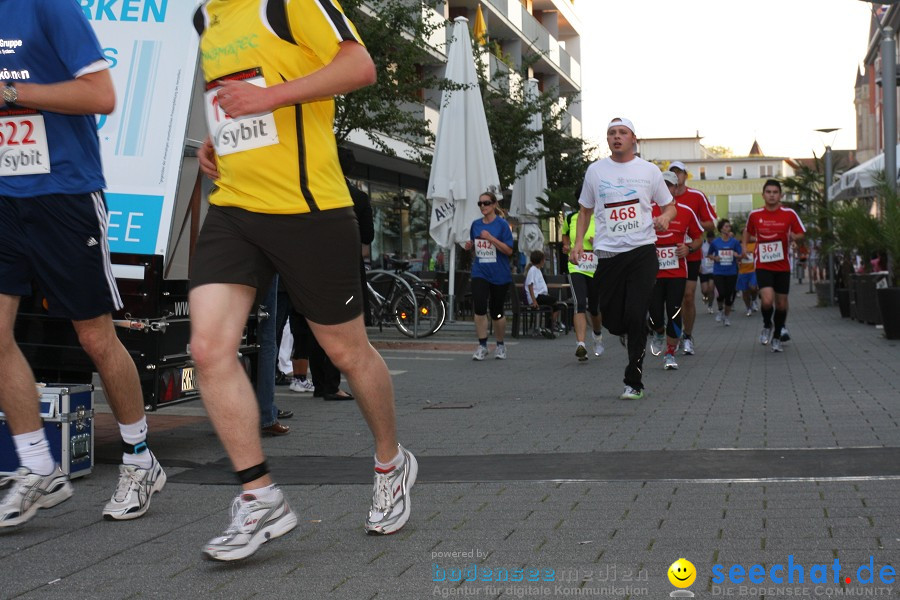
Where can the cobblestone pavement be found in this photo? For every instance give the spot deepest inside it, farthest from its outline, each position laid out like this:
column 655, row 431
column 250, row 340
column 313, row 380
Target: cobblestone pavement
column 536, row 480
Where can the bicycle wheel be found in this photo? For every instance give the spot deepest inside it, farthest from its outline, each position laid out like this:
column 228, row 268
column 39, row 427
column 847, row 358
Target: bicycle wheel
column 431, row 313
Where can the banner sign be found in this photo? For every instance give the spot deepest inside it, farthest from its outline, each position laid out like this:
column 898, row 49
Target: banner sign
column 152, row 48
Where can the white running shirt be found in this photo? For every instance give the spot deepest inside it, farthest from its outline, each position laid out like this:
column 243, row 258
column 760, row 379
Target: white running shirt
column 621, row 196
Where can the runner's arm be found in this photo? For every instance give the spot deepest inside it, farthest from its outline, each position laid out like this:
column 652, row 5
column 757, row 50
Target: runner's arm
column 584, row 219
column 352, row 68
column 89, row 94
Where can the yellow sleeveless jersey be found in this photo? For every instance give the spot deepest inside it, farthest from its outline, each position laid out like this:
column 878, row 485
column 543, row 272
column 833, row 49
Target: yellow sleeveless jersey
column 283, row 162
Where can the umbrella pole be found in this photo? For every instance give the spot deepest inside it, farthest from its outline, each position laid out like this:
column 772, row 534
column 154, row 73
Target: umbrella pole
column 452, row 284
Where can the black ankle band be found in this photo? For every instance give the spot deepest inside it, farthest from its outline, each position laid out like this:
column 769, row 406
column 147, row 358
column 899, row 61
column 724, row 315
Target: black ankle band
column 138, row 448
column 253, row 473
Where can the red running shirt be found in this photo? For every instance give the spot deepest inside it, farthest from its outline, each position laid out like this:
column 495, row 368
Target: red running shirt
column 697, row 202
column 684, row 225
column 772, row 229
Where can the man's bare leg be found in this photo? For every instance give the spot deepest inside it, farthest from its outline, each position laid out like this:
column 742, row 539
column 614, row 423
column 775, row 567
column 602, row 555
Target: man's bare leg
column 218, row 315
column 349, row 349
column 18, row 394
column 117, row 370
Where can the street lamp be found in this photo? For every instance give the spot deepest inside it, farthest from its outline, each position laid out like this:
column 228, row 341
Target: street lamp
column 829, row 179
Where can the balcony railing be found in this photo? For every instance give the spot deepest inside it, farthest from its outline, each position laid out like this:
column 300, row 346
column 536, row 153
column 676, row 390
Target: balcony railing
column 537, row 35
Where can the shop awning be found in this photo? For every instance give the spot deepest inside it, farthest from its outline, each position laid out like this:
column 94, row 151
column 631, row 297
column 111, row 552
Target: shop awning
column 861, row 180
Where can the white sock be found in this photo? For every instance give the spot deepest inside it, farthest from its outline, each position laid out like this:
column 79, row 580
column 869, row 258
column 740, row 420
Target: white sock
column 266, row 494
column 581, row 344
column 397, row 461
column 34, row 452
column 136, row 435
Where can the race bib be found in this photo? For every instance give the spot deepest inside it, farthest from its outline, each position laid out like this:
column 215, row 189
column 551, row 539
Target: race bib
column 23, row 143
column 770, row 252
column 588, row 262
column 230, row 136
column 668, row 261
column 485, row 251
column 708, row 263
column 747, row 260
column 623, row 218
column 726, row 257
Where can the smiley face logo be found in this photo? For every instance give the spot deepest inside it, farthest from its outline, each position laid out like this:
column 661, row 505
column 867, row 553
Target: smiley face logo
column 682, row 573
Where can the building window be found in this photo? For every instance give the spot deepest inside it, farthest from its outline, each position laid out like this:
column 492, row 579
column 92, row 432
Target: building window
column 740, row 204
column 727, row 170
column 766, row 171
column 702, row 172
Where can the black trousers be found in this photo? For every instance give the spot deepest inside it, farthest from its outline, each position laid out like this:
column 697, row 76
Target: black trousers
column 626, row 284
column 726, row 286
column 668, row 294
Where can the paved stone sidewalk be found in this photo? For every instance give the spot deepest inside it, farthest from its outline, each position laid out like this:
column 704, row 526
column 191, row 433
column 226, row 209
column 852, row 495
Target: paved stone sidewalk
column 835, row 386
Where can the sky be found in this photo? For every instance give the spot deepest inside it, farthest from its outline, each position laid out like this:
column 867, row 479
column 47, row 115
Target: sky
column 773, row 70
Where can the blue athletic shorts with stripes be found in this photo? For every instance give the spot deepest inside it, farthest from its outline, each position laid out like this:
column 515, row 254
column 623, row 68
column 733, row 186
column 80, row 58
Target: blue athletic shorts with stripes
column 59, row 241
column 745, row 281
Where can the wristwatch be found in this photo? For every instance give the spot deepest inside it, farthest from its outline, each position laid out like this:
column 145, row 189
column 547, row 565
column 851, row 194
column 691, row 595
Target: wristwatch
column 10, row 94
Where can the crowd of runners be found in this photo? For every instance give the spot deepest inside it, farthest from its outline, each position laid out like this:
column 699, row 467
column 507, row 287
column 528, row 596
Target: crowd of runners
column 637, row 247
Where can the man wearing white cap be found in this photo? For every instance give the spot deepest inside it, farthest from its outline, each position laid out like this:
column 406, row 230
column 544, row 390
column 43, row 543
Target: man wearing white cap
column 697, row 202
column 619, row 192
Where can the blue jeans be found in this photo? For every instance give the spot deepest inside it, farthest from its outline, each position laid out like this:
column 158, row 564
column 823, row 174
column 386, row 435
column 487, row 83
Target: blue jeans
column 268, row 355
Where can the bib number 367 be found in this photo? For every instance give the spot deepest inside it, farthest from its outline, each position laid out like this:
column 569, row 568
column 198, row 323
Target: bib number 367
column 23, row 143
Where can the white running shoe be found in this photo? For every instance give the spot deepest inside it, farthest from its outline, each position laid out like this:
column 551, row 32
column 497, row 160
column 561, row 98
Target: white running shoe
column 657, row 343
column 598, row 344
column 749, row 311
column 785, row 336
column 670, row 364
column 765, row 335
column 500, row 352
column 710, row 310
column 30, row 492
column 390, row 501
column 632, row 394
column 133, row 492
column 776, row 345
column 719, row 317
column 481, row 353
column 726, row 321
column 689, row 346
column 755, row 306
column 253, row 523
column 302, row 386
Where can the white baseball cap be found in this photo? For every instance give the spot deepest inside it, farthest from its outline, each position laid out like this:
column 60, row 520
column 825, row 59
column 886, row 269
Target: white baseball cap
column 677, row 164
column 670, row 177
column 620, row 121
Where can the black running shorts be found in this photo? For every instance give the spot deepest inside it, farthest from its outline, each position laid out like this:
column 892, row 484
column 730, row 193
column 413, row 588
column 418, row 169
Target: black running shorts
column 316, row 254
column 780, row 281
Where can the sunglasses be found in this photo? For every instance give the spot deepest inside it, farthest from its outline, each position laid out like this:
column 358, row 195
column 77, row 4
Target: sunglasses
column 487, row 203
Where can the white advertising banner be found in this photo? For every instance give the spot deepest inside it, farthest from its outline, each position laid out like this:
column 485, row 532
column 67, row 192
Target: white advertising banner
column 152, row 49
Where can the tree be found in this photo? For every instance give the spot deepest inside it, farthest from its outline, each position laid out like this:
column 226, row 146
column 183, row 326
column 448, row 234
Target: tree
column 395, row 33
column 720, row 151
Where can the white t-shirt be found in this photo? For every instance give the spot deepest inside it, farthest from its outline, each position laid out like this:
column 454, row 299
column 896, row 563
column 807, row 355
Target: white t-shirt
column 534, row 276
column 621, row 196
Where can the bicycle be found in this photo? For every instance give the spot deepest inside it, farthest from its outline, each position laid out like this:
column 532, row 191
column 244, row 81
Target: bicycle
column 402, row 300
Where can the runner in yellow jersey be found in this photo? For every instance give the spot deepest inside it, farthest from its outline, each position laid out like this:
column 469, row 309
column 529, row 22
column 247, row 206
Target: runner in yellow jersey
column 584, row 288
column 281, row 204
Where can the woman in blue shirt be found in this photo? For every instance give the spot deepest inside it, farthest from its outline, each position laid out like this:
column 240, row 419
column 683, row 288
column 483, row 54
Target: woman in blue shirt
column 491, row 237
column 725, row 251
